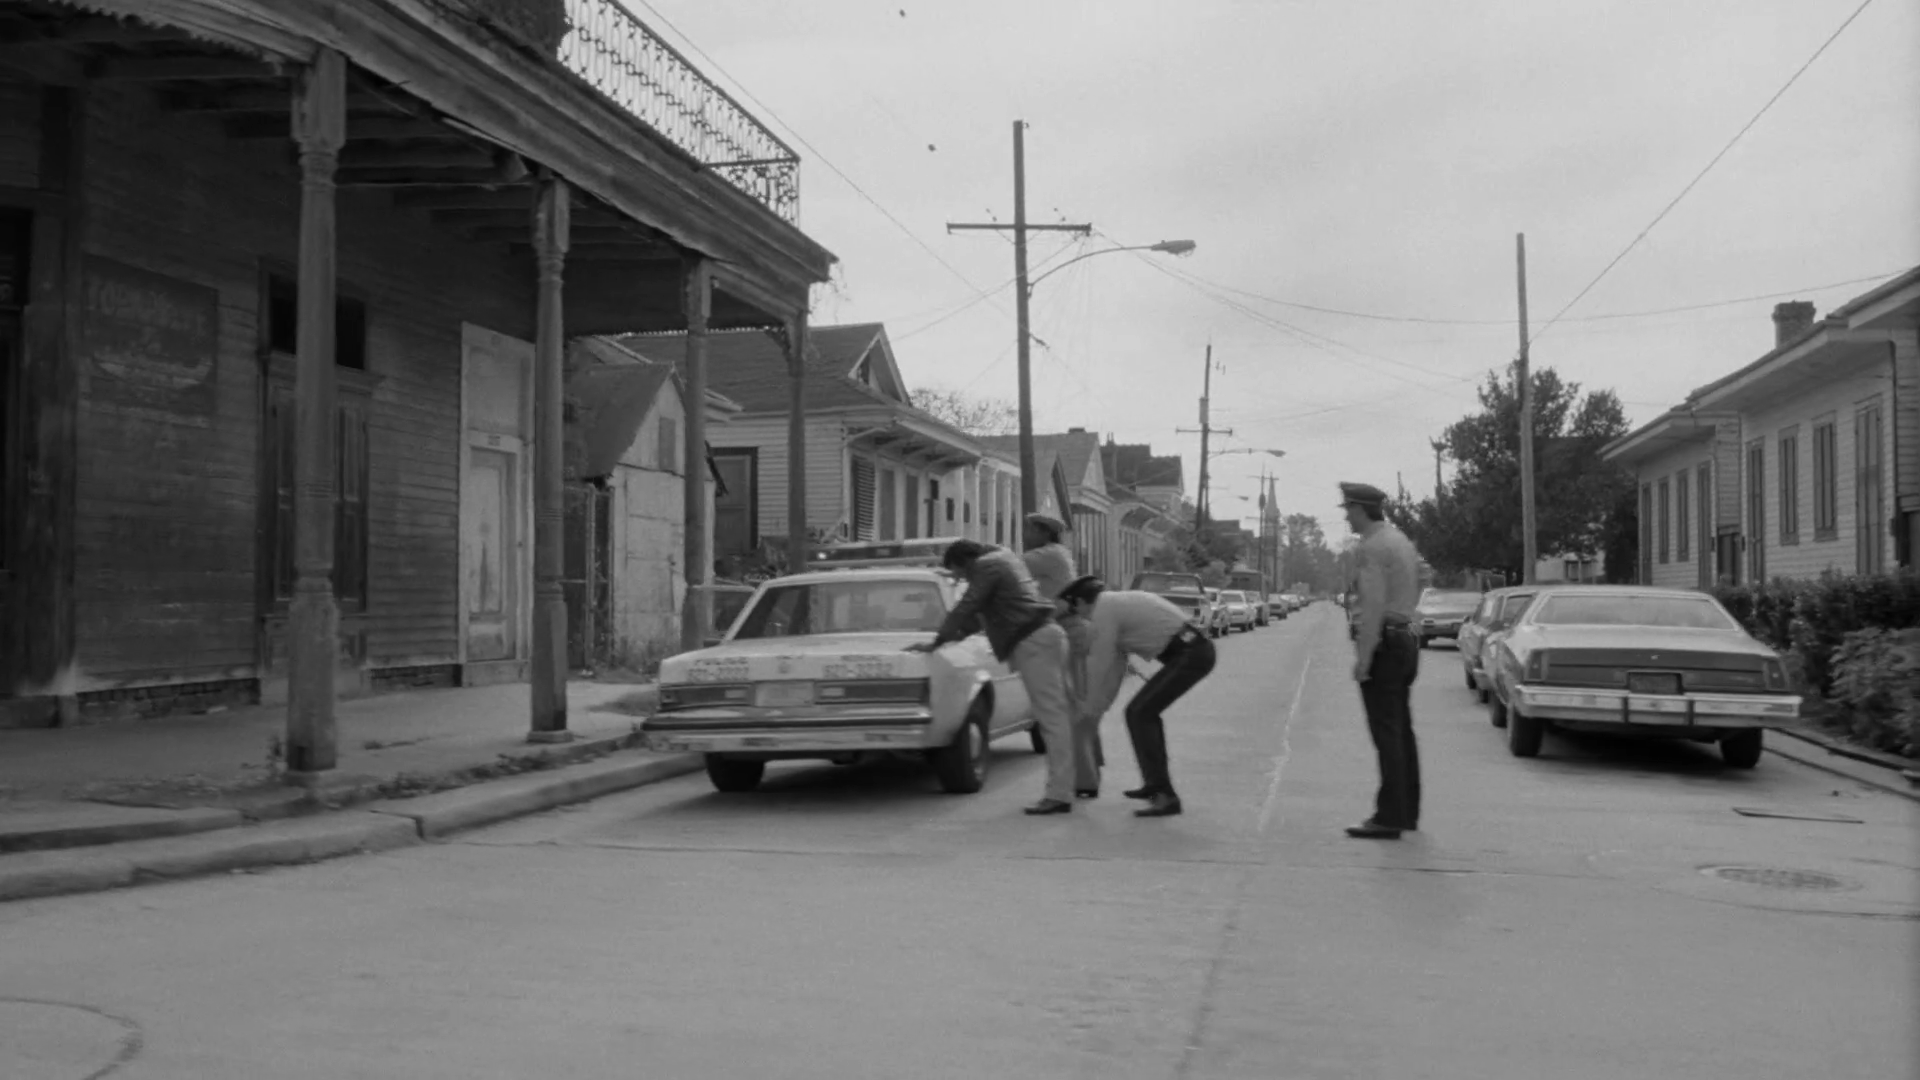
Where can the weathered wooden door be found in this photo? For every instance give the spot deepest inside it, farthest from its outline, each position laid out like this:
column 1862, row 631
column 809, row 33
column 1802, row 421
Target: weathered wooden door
column 491, row 540
column 11, row 492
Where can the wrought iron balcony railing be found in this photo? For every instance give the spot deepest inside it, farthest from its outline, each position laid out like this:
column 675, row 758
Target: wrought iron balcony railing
column 622, row 58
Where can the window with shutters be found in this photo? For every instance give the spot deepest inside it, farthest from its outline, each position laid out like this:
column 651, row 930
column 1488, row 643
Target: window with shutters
column 1789, row 466
column 1663, row 527
column 915, row 510
column 353, row 395
column 861, row 519
column 1682, row 517
column 889, row 506
column 1757, row 508
column 1826, row 497
column 1870, row 509
column 1646, row 534
column 667, row 453
column 1703, row 492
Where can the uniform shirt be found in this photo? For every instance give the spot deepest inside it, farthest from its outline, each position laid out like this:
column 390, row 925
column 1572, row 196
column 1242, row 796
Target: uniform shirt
column 1389, row 572
column 1140, row 623
column 1052, row 568
column 1000, row 599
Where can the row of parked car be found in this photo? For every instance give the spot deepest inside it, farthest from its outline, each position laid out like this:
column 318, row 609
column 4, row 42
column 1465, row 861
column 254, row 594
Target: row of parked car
column 1218, row 611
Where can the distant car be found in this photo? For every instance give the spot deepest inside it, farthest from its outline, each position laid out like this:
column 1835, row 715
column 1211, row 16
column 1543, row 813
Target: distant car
column 1497, row 612
column 1636, row 660
column 1278, row 606
column 1217, row 624
column 815, row 667
column 1439, row 613
column 1239, row 608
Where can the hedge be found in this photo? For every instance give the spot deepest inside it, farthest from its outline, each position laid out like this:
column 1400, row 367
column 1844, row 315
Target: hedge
column 1817, row 624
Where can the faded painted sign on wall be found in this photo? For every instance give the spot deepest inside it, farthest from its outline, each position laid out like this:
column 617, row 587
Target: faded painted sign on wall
column 153, row 339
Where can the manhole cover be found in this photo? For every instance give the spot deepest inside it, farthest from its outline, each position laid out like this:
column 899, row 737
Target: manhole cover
column 1775, row 878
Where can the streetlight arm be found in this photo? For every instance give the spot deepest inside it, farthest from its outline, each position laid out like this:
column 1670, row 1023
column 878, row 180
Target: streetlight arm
column 1172, row 247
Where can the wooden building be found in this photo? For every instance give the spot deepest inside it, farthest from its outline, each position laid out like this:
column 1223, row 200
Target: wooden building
column 284, row 292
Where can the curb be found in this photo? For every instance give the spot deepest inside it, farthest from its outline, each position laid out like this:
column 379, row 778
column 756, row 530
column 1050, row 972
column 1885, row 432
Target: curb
column 374, row 827
column 1861, row 769
column 437, row 815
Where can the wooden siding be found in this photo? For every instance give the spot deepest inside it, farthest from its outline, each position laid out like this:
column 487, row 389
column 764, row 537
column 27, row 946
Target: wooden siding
column 826, row 467
column 168, row 492
column 1833, row 401
column 649, row 532
column 1670, row 468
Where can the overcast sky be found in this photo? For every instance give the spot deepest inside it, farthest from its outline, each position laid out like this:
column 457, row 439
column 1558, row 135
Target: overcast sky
column 1373, row 157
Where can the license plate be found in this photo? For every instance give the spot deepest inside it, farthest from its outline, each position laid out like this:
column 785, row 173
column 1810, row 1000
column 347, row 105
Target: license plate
column 1652, row 682
column 781, row 694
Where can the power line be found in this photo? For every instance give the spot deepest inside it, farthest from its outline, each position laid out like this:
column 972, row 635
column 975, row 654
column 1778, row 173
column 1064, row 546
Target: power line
column 1657, row 218
column 815, row 151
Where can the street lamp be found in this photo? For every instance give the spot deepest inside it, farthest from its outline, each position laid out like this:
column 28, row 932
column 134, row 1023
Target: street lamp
column 1169, row 247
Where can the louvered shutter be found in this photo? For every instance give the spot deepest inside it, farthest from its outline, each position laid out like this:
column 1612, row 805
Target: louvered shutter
column 862, row 499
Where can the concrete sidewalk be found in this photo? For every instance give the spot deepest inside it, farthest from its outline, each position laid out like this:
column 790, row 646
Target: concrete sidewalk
column 105, row 805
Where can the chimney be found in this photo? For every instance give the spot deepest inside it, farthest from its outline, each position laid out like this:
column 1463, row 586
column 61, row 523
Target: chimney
column 1083, row 431
column 1790, row 320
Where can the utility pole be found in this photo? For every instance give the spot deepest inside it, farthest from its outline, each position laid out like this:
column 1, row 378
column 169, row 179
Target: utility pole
column 1528, row 555
column 1201, row 509
column 1029, row 482
column 1437, row 447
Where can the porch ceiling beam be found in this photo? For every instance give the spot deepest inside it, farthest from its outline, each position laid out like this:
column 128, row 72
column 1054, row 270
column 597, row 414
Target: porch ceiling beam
column 174, row 68
column 472, row 218
column 401, row 178
column 650, row 252
column 443, row 156
column 358, row 128
column 515, row 200
column 586, row 234
column 265, row 101
column 43, row 64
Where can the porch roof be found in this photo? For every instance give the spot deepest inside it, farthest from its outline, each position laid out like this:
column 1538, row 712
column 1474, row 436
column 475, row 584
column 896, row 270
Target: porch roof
column 1673, row 428
column 750, row 367
column 453, row 109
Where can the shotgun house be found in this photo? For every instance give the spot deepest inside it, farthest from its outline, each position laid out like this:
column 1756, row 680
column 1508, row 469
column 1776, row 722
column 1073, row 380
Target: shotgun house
column 626, row 504
column 284, row 292
column 877, row 468
column 1805, row 461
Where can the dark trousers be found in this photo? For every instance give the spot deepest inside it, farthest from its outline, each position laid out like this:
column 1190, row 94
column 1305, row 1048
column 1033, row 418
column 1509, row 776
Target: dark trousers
column 1187, row 660
column 1387, row 695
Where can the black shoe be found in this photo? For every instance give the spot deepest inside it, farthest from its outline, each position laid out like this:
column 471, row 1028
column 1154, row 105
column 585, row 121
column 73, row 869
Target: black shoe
column 1050, row 806
column 1373, row 830
column 1086, row 793
column 1163, row 805
column 1139, row 793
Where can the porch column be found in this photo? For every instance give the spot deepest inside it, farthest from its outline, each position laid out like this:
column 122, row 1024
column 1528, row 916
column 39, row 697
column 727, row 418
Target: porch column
column 319, row 127
column 797, row 443
column 696, row 302
column 549, row 697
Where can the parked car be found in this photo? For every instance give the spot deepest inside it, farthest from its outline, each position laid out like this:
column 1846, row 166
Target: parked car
column 816, row 668
column 1278, row 606
column 1497, row 612
column 1439, row 613
column 1184, row 591
column 1636, row 660
column 1239, row 610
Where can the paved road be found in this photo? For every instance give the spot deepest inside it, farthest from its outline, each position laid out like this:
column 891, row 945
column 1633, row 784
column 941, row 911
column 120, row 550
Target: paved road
column 1552, row 921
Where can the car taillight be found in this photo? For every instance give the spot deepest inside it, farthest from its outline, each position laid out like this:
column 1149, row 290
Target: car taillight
column 1776, row 675
column 1536, row 666
column 696, row 695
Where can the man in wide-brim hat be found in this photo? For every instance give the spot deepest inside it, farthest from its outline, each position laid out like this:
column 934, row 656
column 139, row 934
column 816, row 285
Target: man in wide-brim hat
column 1052, row 567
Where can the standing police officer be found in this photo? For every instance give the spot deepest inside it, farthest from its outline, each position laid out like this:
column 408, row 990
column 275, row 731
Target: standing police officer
column 1051, row 565
column 1386, row 657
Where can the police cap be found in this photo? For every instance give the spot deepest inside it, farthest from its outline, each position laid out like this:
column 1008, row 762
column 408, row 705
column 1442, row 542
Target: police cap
column 1361, row 494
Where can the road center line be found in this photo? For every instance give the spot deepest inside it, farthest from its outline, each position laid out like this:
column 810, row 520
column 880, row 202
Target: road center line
column 1272, row 804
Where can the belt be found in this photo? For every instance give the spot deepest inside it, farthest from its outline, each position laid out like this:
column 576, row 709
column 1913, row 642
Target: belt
column 1178, row 644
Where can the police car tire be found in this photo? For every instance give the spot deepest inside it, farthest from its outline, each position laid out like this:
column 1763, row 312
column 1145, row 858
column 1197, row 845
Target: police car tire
column 731, row 775
column 1496, row 710
column 961, row 765
column 1524, row 734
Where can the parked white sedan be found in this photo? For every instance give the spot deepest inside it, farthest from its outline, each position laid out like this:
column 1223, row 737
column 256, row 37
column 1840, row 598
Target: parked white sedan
column 816, row 667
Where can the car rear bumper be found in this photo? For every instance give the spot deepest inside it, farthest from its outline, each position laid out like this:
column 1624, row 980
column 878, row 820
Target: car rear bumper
column 1659, row 710
column 714, row 730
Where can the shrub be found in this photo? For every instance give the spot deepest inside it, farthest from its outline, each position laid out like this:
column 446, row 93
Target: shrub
column 1876, row 681
column 1811, row 619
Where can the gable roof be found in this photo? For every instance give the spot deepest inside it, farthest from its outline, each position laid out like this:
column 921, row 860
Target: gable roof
column 611, row 401
column 750, row 366
column 1074, row 450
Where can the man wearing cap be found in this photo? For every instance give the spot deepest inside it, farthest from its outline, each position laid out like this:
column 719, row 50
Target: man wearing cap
column 1001, row 599
column 1051, row 565
column 1143, row 624
column 1386, row 657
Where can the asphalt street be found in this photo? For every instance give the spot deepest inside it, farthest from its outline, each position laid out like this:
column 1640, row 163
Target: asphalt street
column 1568, row 917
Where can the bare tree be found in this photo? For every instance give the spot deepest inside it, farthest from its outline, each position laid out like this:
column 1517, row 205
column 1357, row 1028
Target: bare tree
column 973, row 415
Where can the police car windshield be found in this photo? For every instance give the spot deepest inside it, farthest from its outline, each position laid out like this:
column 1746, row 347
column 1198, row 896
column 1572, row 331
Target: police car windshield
column 871, row 605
